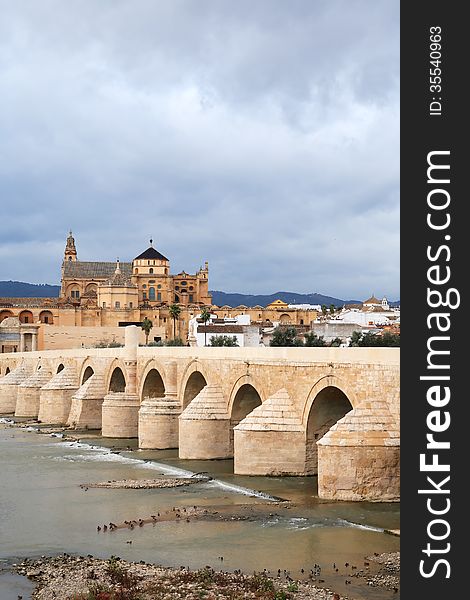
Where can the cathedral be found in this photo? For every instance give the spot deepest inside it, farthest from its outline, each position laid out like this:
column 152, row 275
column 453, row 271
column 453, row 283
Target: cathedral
column 145, row 282
column 98, row 299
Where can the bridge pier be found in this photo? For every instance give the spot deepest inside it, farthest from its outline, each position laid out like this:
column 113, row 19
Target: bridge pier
column 205, row 426
column 9, row 388
column 158, row 416
column 271, row 439
column 55, row 397
column 87, row 403
column 359, row 457
column 120, row 410
column 29, row 393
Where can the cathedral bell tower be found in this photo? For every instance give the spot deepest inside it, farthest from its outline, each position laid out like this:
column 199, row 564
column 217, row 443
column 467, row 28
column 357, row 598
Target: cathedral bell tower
column 70, row 253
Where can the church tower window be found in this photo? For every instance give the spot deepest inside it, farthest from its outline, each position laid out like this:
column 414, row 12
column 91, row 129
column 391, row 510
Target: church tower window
column 152, row 293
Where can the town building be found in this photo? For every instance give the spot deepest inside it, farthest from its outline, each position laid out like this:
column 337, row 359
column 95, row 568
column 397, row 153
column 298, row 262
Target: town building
column 97, row 300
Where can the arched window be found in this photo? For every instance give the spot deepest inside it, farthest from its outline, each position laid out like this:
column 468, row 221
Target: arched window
column 151, row 271
column 136, row 271
column 152, row 293
column 46, row 317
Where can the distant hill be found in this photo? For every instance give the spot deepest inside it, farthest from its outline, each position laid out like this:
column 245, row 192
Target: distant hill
column 18, row 289
column 221, row 298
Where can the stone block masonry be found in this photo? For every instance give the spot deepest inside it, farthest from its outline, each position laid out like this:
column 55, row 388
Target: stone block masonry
column 296, row 411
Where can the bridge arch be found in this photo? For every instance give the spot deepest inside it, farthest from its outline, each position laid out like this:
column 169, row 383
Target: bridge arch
column 240, row 382
column 87, row 373
column 245, row 397
column 191, row 381
column 328, row 402
column 195, row 383
column 116, row 379
column 152, row 385
column 151, row 365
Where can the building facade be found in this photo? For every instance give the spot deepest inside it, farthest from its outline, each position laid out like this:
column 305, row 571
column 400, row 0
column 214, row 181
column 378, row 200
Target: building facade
column 98, row 299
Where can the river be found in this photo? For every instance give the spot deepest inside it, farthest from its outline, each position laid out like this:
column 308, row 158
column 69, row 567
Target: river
column 44, row 511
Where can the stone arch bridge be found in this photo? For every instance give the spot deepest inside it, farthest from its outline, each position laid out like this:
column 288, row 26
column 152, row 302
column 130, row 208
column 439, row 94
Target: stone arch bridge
column 331, row 412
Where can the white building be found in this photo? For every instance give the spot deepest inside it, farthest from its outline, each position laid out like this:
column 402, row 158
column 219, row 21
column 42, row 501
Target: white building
column 316, row 307
column 373, row 312
column 239, row 327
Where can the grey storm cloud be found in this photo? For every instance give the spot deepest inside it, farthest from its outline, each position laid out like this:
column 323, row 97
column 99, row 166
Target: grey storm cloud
column 261, row 136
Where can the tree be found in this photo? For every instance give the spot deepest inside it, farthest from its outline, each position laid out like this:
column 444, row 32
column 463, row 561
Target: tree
column 370, row 340
column 223, row 340
column 285, row 336
column 311, row 339
column 332, row 309
column 336, row 343
column 355, row 338
column 146, row 327
column 324, row 309
column 174, row 342
column 205, row 316
column 175, row 311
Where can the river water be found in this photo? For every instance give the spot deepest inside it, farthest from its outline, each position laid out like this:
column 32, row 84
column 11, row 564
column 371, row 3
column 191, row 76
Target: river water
column 44, row 511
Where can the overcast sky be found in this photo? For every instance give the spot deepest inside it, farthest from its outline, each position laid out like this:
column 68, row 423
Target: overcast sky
column 260, row 136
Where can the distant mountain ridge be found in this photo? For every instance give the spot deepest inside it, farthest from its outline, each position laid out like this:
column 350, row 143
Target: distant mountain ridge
column 19, row 289
column 222, row 298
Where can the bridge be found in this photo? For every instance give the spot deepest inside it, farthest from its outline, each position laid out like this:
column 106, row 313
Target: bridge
column 330, row 412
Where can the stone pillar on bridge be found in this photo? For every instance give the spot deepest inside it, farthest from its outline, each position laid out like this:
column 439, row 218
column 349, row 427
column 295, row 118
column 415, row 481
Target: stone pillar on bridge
column 9, row 387
column 87, row 403
column 271, row 439
column 205, row 426
column 359, row 457
column 158, row 417
column 55, row 398
column 29, row 393
column 120, row 410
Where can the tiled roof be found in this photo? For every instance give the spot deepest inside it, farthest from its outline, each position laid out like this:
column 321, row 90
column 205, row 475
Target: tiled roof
column 6, row 303
column 119, row 279
column 372, row 300
column 151, row 253
column 220, row 329
column 94, row 270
